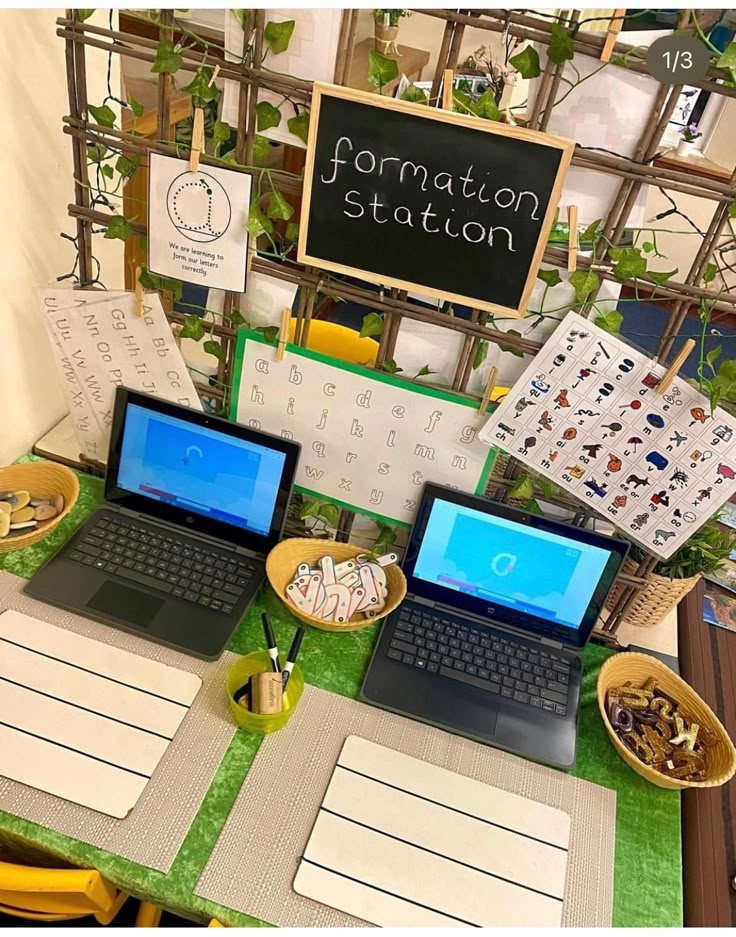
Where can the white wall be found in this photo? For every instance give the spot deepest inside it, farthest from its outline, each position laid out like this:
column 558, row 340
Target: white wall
column 36, row 170
column 682, row 246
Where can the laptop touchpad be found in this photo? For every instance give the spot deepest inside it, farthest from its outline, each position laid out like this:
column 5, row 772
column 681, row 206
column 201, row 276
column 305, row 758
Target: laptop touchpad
column 125, row 604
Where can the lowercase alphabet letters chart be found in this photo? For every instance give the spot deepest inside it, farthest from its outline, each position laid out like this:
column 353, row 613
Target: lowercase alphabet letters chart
column 369, row 440
column 586, row 415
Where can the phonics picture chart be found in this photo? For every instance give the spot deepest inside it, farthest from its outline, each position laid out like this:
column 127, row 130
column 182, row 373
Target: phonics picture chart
column 100, row 343
column 586, row 414
column 369, row 440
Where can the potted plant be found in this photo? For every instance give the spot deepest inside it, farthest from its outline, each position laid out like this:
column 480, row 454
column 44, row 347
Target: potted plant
column 672, row 579
column 689, row 135
column 386, row 23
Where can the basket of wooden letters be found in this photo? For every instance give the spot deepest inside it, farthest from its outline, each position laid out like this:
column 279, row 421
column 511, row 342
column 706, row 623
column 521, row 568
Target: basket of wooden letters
column 334, row 586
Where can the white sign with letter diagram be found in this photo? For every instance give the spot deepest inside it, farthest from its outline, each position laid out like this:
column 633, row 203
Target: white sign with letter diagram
column 369, row 440
column 197, row 223
column 587, row 415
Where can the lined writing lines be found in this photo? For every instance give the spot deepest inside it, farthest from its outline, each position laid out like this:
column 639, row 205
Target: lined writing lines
column 82, row 720
column 399, row 842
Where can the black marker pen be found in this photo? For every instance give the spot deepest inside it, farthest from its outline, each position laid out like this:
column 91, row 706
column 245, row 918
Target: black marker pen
column 273, row 651
column 291, row 657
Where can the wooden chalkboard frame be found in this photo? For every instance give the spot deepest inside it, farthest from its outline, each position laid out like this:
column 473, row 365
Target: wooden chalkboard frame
column 323, row 89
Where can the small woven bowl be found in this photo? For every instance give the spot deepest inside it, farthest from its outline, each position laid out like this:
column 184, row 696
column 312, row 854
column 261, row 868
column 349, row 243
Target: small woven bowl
column 42, row 480
column 721, row 758
column 283, row 560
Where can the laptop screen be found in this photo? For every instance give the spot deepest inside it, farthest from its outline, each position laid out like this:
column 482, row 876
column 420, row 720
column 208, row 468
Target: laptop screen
column 199, row 469
column 510, row 566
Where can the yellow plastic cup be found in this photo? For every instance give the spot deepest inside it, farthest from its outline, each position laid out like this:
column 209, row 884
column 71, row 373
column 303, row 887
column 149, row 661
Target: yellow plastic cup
column 239, row 673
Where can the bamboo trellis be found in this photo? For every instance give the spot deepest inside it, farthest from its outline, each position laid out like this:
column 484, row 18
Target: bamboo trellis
column 250, row 74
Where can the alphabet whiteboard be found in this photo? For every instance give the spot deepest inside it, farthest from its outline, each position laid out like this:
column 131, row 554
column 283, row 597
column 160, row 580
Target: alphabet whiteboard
column 406, row 195
column 369, row 440
column 586, row 414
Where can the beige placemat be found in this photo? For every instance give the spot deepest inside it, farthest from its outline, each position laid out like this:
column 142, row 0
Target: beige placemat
column 254, row 862
column 153, row 833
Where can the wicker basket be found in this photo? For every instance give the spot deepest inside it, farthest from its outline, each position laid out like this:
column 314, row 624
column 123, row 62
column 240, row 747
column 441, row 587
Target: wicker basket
column 283, row 560
column 653, row 601
column 637, row 668
column 42, row 480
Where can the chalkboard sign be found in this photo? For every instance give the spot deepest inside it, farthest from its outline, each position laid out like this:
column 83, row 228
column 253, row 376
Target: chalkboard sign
column 445, row 204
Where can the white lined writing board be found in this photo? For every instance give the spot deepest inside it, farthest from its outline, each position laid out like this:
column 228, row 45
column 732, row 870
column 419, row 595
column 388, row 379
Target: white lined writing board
column 586, row 414
column 399, row 842
column 82, row 720
column 369, row 440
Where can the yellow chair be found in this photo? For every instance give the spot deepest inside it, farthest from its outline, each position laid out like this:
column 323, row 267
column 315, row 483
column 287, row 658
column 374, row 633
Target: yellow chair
column 49, row 895
column 338, row 341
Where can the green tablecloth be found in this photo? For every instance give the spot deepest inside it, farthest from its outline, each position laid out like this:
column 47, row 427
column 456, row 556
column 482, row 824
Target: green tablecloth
column 648, row 874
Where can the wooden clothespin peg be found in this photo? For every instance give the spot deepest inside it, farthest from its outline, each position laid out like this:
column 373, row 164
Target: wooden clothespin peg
column 447, row 81
column 671, row 373
column 490, row 384
column 197, row 139
column 138, row 293
column 614, row 28
column 198, row 129
column 572, row 238
column 251, row 255
column 283, row 333
column 176, row 328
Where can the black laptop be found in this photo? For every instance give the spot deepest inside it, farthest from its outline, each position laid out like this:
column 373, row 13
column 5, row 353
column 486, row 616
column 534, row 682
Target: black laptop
column 193, row 503
column 488, row 642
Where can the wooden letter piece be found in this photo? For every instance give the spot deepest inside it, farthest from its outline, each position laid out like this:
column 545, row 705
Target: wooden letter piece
column 371, row 590
column 327, row 565
column 357, row 596
column 338, row 599
column 313, row 597
column 345, row 568
column 686, row 736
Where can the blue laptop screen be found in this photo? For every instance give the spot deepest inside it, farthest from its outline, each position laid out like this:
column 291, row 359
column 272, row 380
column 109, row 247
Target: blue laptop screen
column 199, row 470
column 509, row 564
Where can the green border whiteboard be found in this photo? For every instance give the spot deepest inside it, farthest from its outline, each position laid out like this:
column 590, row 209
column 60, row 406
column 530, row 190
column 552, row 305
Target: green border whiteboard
column 376, row 377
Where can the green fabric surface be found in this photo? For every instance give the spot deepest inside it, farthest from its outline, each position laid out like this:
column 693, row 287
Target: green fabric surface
column 648, row 870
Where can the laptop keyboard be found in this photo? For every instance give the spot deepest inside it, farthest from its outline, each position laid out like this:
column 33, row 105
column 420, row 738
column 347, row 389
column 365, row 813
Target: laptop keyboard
column 486, row 659
column 141, row 553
